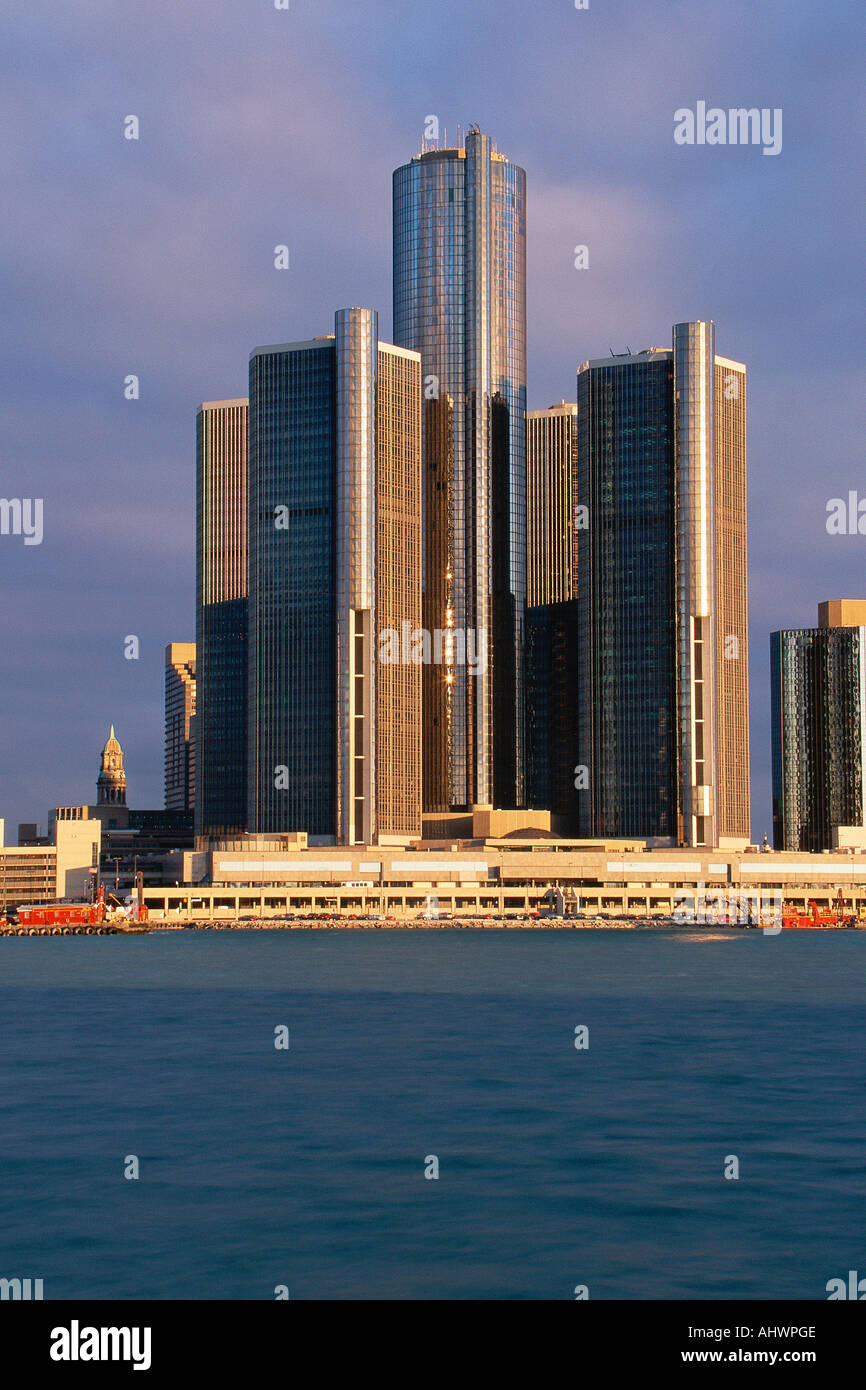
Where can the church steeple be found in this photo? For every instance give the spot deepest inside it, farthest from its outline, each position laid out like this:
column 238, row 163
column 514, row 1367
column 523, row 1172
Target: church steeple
column 111, row 782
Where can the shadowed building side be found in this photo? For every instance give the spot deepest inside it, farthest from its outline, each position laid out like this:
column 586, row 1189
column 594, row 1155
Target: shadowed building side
column 335, row 561
column 627, row 706
column 662, row 598
column 221, row 617
column 818, row 705
column 551, row 641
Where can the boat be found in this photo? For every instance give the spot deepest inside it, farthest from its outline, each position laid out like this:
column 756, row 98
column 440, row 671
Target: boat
column 820, row 919
column 66, row 915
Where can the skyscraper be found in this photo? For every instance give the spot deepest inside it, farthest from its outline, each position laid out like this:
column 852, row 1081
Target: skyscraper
column 662, row 616
column 732, row 600
column 335, row 574
column 180, row 726
column 551, row 614
column 551, row 505
column 460, row 301
column 221, row 617
column 818, row 700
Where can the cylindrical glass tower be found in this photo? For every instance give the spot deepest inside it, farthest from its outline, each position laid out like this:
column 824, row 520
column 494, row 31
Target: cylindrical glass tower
column 460, row 300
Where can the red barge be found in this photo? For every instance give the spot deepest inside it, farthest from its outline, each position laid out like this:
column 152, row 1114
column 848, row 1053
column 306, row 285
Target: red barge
column 75, row 914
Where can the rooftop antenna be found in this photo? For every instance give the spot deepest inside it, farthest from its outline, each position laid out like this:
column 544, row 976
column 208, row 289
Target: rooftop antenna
column 628, row 350
column 459, row 137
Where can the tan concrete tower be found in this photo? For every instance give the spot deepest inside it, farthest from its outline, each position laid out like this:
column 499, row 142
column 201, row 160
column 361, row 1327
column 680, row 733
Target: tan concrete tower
column 180, row 693
column 551, row 505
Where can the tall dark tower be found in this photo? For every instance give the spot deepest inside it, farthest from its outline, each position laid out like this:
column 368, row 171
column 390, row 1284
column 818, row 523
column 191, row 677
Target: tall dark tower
column 335, row 581
column 460, row 300
column 222, row 586
column 818, row 701
column 663, row 640
column 111, row 782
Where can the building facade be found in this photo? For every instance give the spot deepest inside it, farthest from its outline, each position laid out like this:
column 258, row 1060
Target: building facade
column 335, row 569
column 490, row 876
column 180, row 718
column 221, row 617
column 551, row 649
column 552, row 679
column 732, row 600
column 662, row 598
column 818, row 702
column 551, row 505
column 460, row 301
column 64, row 866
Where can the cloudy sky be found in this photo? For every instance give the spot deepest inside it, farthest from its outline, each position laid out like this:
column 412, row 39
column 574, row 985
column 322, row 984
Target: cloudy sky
column 259, row 127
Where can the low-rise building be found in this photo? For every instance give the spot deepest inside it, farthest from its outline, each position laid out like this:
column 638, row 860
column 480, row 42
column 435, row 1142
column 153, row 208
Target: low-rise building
column 64, row 869
column 271, row 876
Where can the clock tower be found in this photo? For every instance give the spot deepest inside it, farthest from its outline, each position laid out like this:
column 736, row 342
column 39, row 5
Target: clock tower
column 111, row 782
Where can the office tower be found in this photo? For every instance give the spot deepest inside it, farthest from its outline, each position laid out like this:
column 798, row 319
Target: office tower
column 662, row 617
column 818, row 700
column 221, row 618
column 732, row 600
column 335, row 586
column 551, row 615
column 460, row 301
column 111, row 782
column 552, row 741
column 180, row 726
column 551, row 505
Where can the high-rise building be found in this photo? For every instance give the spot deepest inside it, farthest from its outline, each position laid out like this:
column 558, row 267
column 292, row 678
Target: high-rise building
column 460, row 301
column 818, row 699
column 180, row 726
column 552, row 744
column 335, row 586
column 551, row 505
column 732, row 601
column 551, row 614
column 221, row 618
column 662, row 594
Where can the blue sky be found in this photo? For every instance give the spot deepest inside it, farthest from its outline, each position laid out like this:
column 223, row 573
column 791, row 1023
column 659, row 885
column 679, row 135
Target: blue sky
column 260, row 127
